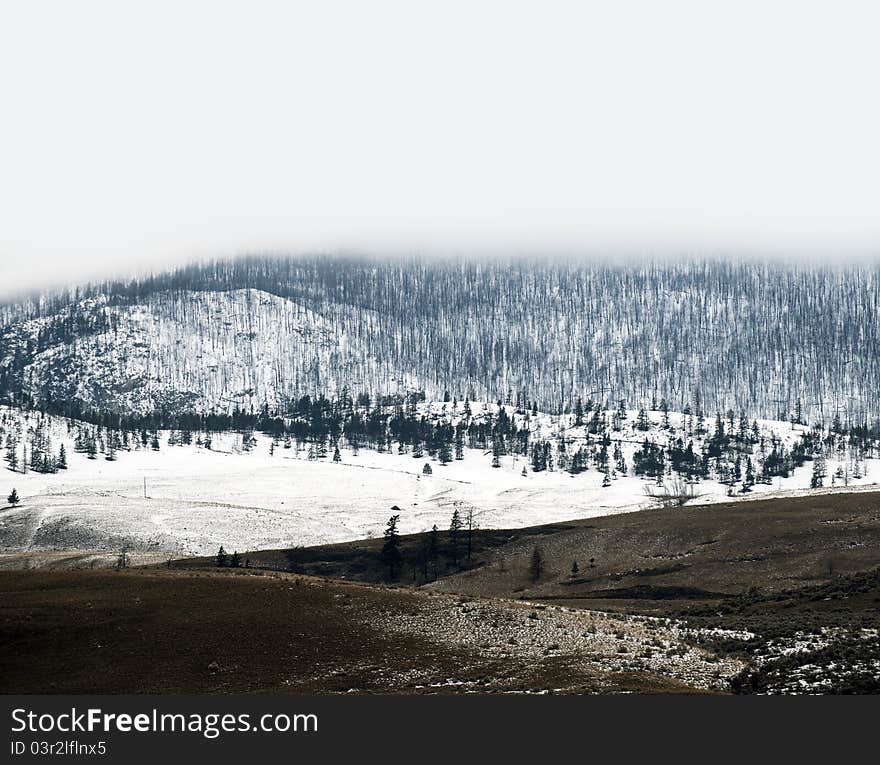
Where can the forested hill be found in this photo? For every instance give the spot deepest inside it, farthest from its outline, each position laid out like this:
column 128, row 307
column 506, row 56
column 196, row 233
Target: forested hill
column 772, row 340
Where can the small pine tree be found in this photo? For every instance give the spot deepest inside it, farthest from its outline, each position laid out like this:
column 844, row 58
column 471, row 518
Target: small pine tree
column 427, row 469
column 61, row 462
column 337, row 457
column 13, row 499
column 574, row 569
column 235, row 560
column 391, row 555
column 12, row 453
column 222, row 557
column 455, row 526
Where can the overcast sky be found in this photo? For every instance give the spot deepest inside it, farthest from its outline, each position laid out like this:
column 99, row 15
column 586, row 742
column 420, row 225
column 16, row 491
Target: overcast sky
column 134, row 135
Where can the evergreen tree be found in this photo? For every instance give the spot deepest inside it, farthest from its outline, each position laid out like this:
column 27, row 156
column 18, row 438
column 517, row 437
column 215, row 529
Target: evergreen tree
column 749, row 479
column 578, row 412
column 426, row 470
column 222, row 557
column 455, row 526
column 391, row 555
column 13, row 498
column 12, row 452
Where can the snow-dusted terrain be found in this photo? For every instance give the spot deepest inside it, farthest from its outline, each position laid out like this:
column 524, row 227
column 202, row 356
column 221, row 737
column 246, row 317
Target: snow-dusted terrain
column 766, row 338
column 194, row 350
column 271, row 497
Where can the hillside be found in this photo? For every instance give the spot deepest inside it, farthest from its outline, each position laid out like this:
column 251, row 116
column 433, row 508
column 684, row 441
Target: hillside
column 184, row 351
column 770, row 339
column 294, row 635
column 185, row 493
column 787, row 586
column 775, row 596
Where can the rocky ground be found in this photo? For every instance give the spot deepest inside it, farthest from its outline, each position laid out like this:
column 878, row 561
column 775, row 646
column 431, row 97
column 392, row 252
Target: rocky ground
column 611, row 643
column 139, row 631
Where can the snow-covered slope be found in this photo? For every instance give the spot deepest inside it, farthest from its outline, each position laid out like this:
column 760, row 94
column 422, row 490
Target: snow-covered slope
column 190, row 499
column 770, row 339
column 190, row 350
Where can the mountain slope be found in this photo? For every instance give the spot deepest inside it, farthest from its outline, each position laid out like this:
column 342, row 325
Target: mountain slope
column 190, row 497
column 187, row 350
column 772, row 339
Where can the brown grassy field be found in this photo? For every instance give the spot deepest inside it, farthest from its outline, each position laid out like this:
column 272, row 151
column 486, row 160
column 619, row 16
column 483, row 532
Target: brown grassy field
column 143, row 631
column 690, row 553
column 767, row 596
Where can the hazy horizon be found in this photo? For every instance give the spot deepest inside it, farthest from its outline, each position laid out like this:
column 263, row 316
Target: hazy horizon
column 140, row 139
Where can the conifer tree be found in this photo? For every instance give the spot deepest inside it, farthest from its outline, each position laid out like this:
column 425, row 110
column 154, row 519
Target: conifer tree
column 12, row 452
column 455, row 526
column 391, row 555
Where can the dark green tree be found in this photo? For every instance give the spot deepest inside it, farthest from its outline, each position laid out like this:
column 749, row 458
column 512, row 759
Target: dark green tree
column 391, row 555
column 455, row 526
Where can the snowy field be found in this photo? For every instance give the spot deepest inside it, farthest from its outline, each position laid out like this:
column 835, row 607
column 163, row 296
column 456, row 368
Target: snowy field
column 198, row 499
